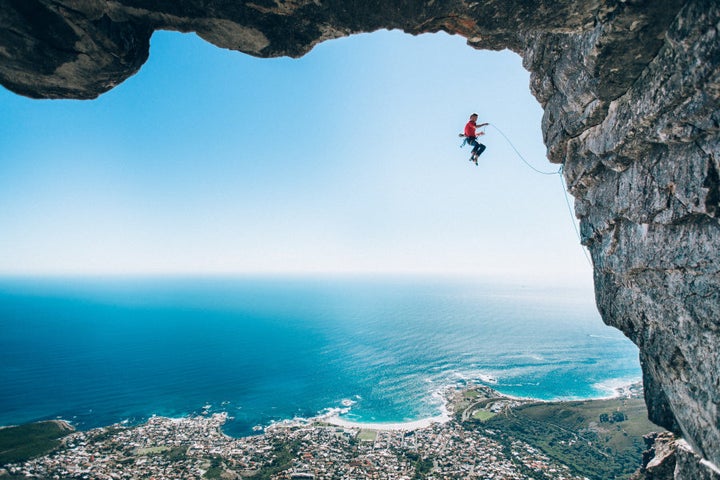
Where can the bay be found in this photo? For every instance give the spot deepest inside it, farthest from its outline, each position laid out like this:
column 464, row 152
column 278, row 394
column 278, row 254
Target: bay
column 96, row 351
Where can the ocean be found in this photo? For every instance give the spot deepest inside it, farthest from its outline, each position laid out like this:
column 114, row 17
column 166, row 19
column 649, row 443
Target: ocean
column 97, row 351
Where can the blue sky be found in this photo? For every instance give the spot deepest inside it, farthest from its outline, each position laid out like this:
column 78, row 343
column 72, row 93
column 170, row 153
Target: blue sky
column 346, row 160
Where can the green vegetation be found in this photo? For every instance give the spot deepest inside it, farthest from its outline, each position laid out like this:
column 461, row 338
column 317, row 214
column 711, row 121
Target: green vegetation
column 104, row 433
column 470, row 394
column 284, row 456
column 475, row 398
column 367, row 435
column 423, row 465
column 572, row 433
column 151, row 450
column 21, row 443
column 175, row 454
column 482, row 415
column 215, row 470
column 172, row 454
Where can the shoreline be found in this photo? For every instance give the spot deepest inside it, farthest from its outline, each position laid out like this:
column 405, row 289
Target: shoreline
column 445, row 416
column 196, row 443
column 333, row 416
column 625, row 390
column 390, row 426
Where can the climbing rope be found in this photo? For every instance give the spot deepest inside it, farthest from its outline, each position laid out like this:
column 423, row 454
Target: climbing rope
column 572, row 216
column 564, row 188
column 520, row 155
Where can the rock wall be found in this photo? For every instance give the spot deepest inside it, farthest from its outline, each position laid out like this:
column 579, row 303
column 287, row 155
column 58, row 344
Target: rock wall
column 631, row 93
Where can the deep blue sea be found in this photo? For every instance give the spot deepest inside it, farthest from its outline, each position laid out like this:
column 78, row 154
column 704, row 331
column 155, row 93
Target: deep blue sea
column 98, row 351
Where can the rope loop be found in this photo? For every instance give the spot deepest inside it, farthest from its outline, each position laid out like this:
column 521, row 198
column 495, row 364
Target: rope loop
column 520, row 155
column 559, row 172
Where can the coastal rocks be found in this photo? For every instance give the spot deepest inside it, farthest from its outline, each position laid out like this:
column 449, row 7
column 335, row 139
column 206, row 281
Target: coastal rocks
column 631, row 93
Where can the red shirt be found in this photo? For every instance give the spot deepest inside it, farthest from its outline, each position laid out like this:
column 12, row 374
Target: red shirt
column 470, row 129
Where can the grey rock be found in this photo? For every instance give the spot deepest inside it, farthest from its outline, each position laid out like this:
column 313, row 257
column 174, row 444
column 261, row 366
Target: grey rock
column 659, row 461
column 689, row 466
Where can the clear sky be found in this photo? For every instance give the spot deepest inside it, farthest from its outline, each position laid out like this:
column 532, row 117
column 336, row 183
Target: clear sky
column 346, row 160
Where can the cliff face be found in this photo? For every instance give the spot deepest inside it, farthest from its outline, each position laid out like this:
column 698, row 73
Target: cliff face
column 631, row 93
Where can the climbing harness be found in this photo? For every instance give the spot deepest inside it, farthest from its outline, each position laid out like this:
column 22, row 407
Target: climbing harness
column 465, row 139
column 559, row 172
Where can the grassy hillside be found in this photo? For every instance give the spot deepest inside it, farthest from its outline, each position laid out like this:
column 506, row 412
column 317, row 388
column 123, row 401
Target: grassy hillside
column 23, row 442
column 600, row 439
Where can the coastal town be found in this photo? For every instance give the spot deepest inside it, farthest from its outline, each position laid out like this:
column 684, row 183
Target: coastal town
column 195, row 447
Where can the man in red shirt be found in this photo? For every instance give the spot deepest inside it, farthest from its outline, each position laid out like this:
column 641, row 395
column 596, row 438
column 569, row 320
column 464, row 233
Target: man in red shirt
column 471, row 137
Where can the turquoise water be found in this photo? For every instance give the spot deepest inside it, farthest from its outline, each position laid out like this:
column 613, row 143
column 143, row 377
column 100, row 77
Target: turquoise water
column 100, row 351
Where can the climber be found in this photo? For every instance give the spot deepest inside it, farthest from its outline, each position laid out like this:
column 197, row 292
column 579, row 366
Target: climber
column 471, row 137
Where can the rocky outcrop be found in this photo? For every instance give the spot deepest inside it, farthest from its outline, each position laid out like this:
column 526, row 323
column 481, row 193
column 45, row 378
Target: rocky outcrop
column 659, row 460
column 630, row 89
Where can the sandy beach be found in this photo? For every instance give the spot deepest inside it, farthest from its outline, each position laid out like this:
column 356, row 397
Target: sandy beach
column 403, row 426
column 335, row 419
